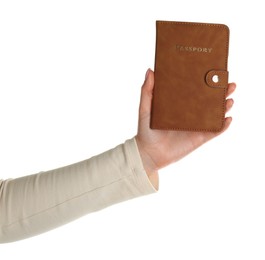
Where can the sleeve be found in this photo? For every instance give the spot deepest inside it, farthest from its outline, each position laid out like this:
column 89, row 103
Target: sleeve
column 37, row 203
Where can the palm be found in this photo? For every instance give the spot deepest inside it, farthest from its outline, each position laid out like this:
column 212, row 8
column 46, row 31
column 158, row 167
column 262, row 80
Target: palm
column 169, row 146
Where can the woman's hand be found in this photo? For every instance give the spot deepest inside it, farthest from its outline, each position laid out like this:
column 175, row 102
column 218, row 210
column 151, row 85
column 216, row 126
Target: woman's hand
column 159, row 148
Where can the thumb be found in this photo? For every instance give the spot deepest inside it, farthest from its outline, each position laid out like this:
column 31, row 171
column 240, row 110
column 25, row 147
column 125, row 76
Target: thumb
column 147, row 93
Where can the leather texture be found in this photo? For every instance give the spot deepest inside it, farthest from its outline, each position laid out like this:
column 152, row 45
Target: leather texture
column 191, row 76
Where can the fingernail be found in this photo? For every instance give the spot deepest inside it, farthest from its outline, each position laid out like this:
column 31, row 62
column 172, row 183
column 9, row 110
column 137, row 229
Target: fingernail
column 147, row 73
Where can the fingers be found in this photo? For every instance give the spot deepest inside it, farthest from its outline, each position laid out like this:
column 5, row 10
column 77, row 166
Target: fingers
column 227, row 123
column 231, row 88
column 147, row 93
column 229, row 104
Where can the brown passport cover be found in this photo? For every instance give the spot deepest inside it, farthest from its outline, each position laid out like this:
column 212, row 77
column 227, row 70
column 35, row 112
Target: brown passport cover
column 191, row 76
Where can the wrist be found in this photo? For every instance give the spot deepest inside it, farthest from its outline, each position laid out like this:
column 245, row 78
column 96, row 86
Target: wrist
column 148, row 164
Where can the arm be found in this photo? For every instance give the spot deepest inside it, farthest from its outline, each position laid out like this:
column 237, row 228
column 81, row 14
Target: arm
column 37, row 203
column 34, row 204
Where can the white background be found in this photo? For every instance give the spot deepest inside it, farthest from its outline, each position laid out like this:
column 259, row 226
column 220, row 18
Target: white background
column 70, row 78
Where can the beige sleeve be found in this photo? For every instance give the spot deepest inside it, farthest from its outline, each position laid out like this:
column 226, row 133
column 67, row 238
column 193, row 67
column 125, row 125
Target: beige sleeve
column 37, row 203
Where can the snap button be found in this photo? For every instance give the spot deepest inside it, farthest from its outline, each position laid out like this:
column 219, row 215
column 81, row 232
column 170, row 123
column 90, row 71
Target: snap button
column 217, row 78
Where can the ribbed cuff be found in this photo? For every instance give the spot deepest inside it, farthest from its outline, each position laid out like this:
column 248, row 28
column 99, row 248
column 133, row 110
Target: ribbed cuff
column 135, row 162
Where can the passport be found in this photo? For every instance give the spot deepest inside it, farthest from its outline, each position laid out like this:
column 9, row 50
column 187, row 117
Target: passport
column 191, row 76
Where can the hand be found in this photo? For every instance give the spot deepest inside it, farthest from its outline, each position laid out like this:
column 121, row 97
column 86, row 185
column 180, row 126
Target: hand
column 159, row 148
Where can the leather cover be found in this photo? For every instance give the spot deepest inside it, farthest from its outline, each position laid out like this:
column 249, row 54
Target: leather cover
column 191, row 76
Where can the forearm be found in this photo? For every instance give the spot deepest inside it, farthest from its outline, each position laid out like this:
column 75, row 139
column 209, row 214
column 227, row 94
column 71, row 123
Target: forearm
column 34, row 204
